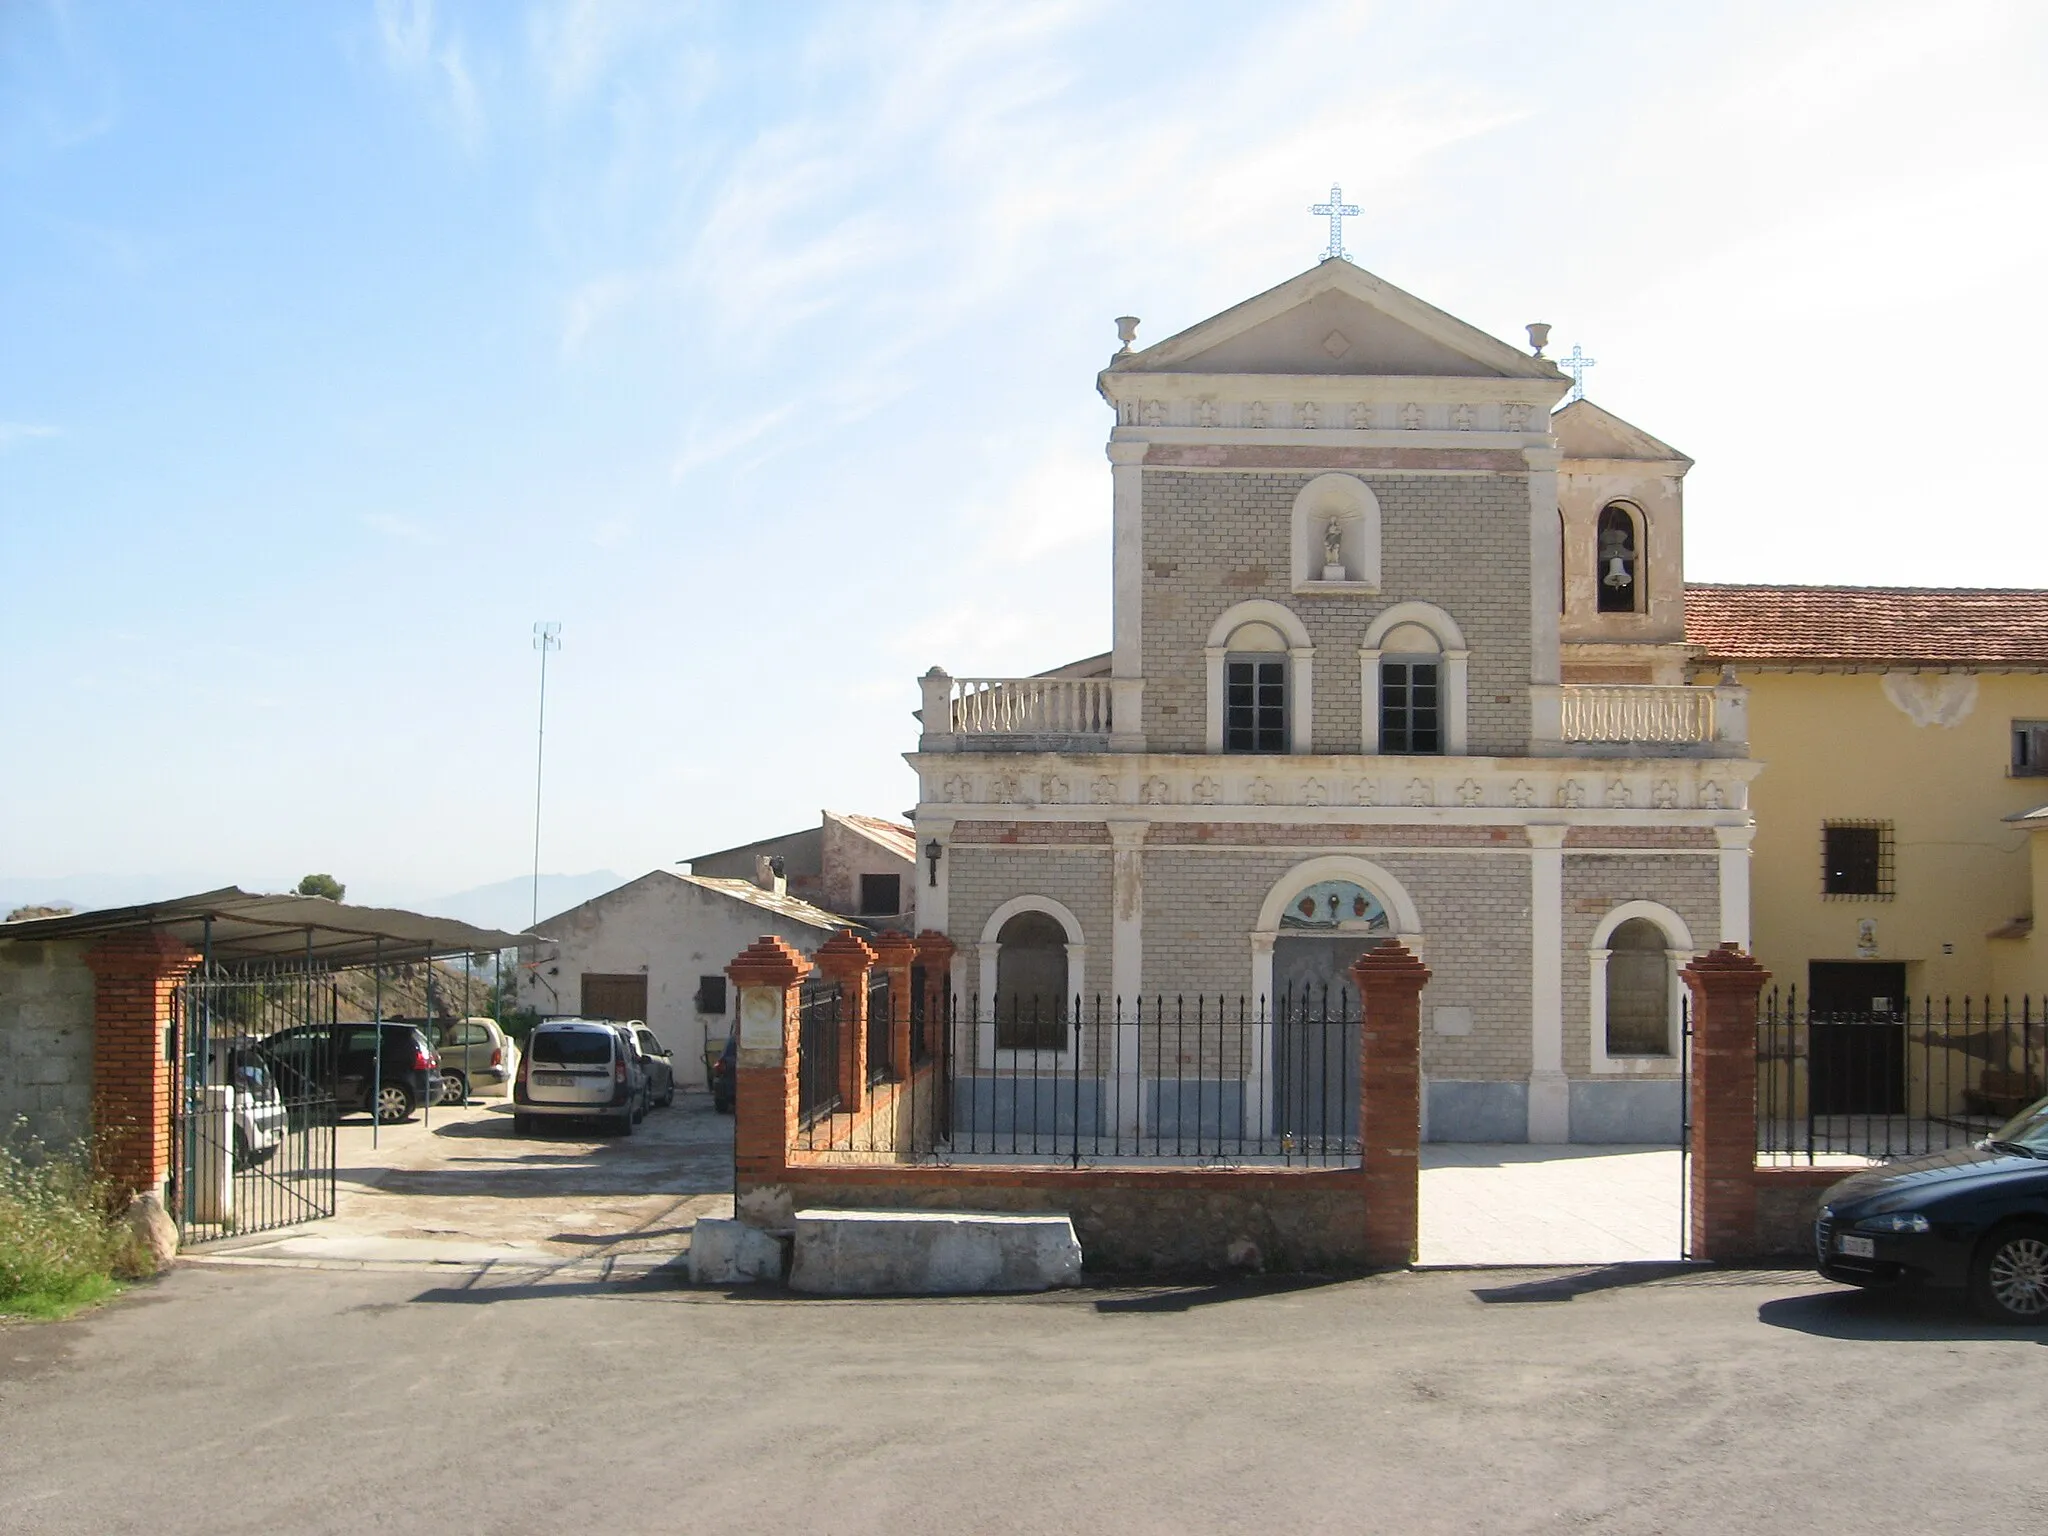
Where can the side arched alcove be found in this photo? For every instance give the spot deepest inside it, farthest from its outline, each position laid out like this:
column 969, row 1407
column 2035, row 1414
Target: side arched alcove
column 1336, row 515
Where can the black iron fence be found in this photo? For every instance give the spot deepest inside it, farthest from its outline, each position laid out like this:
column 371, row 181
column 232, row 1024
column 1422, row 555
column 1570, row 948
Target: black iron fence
column 817, row 1091
column 1881, row 1085
column 881, row 1048
column 1201, row 1080
column 252, row 1146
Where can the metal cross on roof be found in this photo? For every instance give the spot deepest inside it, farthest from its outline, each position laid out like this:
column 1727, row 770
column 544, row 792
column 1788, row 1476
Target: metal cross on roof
column 1336, row 210
column 1576, row 365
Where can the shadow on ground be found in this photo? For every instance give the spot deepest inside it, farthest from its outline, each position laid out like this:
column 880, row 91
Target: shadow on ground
column 1892, row 1317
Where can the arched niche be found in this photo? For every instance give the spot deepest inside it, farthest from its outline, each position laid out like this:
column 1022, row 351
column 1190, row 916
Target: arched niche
column 1345, row 505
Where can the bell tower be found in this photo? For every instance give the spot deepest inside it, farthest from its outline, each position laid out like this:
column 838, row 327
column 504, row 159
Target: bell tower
column 1621, row 532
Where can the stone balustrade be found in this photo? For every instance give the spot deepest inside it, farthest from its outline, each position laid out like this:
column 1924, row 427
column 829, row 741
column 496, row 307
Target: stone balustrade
column 1637, row 713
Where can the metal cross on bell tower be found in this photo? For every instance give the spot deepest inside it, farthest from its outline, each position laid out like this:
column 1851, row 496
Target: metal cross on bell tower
column 1576, row 365
column 1336, row 210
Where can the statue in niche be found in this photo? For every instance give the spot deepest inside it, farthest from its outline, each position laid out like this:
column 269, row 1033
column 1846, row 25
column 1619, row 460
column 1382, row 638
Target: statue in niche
column 1333, row 550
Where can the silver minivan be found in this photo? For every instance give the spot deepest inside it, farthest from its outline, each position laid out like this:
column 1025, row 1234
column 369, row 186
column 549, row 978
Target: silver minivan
column 578, row 1069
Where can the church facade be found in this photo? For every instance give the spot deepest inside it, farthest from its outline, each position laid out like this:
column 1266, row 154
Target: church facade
column 1398, row 651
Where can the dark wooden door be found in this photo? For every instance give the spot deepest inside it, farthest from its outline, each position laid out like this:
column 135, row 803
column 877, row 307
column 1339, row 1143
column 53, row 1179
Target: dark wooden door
column 614, row 997
column 1856, row 1037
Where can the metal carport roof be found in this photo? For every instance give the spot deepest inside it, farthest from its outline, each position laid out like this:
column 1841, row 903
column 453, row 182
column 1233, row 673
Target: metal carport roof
column 235, row 928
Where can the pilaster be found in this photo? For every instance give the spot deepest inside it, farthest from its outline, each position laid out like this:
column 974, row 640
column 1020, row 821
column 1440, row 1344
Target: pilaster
column 1550, row 1113
column 1735, row 844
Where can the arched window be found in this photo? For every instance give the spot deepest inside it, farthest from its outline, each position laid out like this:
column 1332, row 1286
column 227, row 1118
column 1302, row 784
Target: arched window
column 1255, row 690
column 1413, row 667
column 1638, row 990
column 1261, row 679
column 1031, row 983
column 1411, row 691
column 1619, row 562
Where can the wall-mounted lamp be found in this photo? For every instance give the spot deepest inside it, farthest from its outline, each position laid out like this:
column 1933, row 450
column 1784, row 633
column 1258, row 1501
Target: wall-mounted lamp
column 932, row 850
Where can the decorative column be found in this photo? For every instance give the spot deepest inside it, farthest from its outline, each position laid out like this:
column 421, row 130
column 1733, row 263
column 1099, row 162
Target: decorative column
column 1126, row 966
column 1550, row 1092
column 1735, row 844
column 935, row 958
column 895, row 954
column 135, row 1075
column 934, row 879
column 1390, row 981
column 845, row 958
column 768, row 977
column 1725, row 984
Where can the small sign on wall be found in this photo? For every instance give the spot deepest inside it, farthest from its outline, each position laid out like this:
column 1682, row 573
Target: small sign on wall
column 1453, row 1021
column 1866, row 937
column 761, row 1019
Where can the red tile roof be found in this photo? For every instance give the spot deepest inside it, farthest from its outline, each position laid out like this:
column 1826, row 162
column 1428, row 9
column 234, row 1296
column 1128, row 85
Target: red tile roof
column 1866, row 626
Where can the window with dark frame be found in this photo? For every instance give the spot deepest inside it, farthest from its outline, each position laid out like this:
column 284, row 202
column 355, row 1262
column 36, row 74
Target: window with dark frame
column 1619, row 556
column 881, row 895
column 1411, row 707
column 711, row 994
column 1856, row 859
column 2029, row 749
column 1255, row 705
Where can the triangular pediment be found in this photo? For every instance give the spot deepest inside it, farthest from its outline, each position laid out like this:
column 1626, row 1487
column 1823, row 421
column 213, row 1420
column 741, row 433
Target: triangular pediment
column 1585, row 431
column 1337, row 318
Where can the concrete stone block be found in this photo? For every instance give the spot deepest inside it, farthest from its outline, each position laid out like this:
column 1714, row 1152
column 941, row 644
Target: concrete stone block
column 728, row 1252
column 932, row 1253
column 1478, row 1111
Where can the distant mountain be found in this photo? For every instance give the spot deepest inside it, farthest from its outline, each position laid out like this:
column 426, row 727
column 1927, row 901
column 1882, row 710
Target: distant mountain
column 508, row 904
column 87, row 893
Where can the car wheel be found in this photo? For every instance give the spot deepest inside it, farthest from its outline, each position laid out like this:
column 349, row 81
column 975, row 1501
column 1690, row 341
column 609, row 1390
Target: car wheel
column 394, row 1103
column 2009, row 1279
column 626, row 1121
column 454, row 1089
column 242, row 1156
column 522, row 1125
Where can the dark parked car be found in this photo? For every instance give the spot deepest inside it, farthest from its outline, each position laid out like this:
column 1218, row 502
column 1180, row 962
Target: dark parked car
column 1975, row 1219
column 340, row 1060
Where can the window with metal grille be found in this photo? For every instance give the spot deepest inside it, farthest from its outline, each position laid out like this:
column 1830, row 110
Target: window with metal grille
column 1255, row 705
column 711, row 994
column 2029, row 748
column 1411, row 709
column 1856, row 858
column 881, row 895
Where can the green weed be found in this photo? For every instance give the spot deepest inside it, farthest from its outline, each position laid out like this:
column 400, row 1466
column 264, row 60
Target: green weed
column 60, row 1249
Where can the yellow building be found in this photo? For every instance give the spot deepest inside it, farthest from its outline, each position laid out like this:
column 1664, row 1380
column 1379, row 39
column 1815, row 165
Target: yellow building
column 1904, row 737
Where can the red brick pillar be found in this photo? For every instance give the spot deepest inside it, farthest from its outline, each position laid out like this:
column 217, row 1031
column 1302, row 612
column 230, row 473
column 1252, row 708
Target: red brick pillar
column 134, row 1062
column 935, row 954
column 1725, row 983
column 1390, row 981
column 895, row 953
column 768, row 977
column 845, row 958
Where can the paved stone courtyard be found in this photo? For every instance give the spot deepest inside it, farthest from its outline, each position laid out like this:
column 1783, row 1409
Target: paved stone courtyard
column 1518, row 1204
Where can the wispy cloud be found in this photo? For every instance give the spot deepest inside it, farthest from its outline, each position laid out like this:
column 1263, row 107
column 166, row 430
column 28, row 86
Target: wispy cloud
column 701, row 448
column 417, row 47
column 15, row 433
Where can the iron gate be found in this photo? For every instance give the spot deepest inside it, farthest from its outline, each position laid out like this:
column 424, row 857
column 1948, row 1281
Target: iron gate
column 252, row 1094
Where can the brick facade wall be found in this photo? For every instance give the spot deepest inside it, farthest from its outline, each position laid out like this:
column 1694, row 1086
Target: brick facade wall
column 1595, row 885
column 983, row 877
column 1213, row 540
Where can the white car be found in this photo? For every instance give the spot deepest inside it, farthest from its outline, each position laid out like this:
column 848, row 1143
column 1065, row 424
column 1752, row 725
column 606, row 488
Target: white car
column 259, row 1114
column 579, row 1069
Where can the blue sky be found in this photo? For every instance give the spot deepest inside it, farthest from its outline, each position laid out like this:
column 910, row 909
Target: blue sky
column 339, row 342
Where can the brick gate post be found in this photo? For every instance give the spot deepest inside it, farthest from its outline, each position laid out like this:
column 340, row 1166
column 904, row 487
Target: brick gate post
column 768, row 976
column 134, row 1059
column 1390, row 981
column 935, row 956
column 845, row 958
column 1725, row 983
column 895, row 953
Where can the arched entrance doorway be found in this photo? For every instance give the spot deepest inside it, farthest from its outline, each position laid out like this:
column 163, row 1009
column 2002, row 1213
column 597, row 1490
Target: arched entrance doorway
column 1316, row 921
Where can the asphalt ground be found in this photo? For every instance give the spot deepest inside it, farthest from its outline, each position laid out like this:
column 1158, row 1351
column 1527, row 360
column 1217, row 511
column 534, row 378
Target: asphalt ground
column 1636, row 1399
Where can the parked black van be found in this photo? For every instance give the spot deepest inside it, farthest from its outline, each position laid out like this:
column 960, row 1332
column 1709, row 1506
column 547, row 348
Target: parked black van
column 340, row 1061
